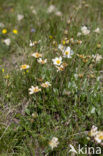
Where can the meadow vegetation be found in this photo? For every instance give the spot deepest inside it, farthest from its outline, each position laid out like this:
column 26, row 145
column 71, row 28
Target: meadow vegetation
column 51, row 76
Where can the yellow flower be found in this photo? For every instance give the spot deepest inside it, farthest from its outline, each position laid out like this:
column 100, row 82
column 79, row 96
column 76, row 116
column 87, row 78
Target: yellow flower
column 15, row 31
column 67, row 41
column 63, row 42
column 33, row 90
column 3, row 70
column 4, row 31
column 27, row 71
column 37, row 55
column 25, row 66
column 46, row 84
column 7, row 76
column 51, row 37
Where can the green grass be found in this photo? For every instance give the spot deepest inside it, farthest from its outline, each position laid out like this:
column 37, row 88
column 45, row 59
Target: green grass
column 65, row 108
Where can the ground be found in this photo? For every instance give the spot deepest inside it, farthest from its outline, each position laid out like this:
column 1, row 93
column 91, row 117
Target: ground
column 72, row 104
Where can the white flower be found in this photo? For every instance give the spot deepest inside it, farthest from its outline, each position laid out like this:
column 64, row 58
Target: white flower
column 31, row 44
column 76, row 76
column 33, row 89
column 93, row 131
column 60, row 68
column 24, row 66
column 58, row 13
column 99, row 137
column 51, row 9
column 72, row 40
column 57, row 61
column 85, row 30
column 68, row 52
column 78, row 41
column 20, row 17
column 46, row 84
column 31, row 7
column 98, row 78
column 97, row 57
column 54, row 142
column 41, row 61
column 79, row 34
column 97, row 30
column 7, row 41
column 93, row 110
column 37, row 55
column 34, row 12
column 61, row 47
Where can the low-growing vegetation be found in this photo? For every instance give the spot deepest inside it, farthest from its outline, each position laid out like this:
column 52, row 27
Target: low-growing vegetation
column 51, row 77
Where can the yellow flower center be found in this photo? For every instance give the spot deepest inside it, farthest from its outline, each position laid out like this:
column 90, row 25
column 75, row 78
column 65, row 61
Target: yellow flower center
column 37, row 55
column 58, row 61
column 36, row 90
column 24, row 66
column 67, row 52
column 42, row 62
column 101, row 137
